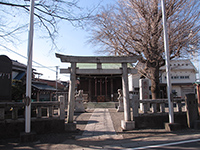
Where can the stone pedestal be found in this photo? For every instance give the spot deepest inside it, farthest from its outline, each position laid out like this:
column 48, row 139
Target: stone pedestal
column 121, row 106
column 172, row 126
column 27, row 137
column 127, row 125
column 79, row 102
column 70, row 127
column 79, row 106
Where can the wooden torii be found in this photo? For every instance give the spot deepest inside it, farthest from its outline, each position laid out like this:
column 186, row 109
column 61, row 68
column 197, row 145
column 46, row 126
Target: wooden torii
column 126, row 124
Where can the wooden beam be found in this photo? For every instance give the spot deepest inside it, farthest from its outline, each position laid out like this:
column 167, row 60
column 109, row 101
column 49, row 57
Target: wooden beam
column 98, row 59
column 98, row 71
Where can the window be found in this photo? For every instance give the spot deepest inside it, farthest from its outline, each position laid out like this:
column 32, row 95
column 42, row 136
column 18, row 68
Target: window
column 176, row 77
column 187, row 77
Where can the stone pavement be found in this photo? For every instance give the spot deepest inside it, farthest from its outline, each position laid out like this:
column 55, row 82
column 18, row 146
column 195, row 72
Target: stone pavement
column 100, row 132
column 99, row 126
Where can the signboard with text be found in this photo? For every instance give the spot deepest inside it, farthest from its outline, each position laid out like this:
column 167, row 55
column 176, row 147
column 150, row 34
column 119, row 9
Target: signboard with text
column 5, row 78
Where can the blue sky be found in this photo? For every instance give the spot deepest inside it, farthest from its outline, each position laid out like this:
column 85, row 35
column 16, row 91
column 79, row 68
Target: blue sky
column 71, row 41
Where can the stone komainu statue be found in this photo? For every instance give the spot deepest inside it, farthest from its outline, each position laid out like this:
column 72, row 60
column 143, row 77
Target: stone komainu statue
column 120, row 99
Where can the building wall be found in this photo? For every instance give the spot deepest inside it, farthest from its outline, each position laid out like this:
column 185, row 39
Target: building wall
column 133, row 81
column 180, row 76
column 183, row 75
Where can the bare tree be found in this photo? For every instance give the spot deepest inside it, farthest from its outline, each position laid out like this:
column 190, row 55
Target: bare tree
column 14, row 18
column 134, row 27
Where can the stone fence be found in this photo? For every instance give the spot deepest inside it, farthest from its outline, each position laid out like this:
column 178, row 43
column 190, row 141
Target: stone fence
column 47, row 109
column 149, row 106
column 48, row 116
column 148, row 113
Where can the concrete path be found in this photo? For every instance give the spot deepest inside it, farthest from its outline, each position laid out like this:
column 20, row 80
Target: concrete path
column 99, row 127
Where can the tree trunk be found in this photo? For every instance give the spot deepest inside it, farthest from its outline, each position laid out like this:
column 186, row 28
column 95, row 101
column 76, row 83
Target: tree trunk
column 155, row 87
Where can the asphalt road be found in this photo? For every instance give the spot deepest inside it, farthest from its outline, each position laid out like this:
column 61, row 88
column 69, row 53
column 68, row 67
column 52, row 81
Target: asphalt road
column 193, row 144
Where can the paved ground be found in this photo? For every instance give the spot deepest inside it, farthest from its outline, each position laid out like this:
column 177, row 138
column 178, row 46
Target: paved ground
column 100, row 129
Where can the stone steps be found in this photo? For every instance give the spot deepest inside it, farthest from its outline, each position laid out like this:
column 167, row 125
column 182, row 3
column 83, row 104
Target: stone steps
column 101, row 105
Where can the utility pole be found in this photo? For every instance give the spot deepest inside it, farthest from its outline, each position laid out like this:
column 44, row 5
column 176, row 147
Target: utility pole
column 56, row 83
column 167, row 63
column 29, row 70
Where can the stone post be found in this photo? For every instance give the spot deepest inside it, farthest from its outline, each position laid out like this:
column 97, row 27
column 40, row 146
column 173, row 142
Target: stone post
column 61, row 110
column 154, row 107
column 162, row 107
column 192, row 109
column 126, row 124
column 39, row 112
column 144, row 93
column 50, row 111
column 15, row 113
column 144, row 107
column 134, row 105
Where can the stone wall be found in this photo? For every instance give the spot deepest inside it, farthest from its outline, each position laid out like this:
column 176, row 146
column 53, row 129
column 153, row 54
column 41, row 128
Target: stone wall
column 157, row 121
column 40, row 126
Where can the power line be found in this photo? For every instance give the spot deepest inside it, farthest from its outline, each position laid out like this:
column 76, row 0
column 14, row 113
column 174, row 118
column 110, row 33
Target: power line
column 40, row 65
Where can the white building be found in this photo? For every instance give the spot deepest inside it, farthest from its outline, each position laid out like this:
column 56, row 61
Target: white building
column 183, row 75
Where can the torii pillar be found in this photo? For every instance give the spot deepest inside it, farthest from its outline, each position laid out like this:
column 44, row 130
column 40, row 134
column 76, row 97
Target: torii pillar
column 126, row 124
column 71, row 97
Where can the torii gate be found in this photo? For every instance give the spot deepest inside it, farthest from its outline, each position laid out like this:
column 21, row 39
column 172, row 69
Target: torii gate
column 126, row 124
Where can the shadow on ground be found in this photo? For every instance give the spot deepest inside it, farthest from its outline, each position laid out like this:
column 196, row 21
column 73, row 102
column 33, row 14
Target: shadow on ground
column 67, row 140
